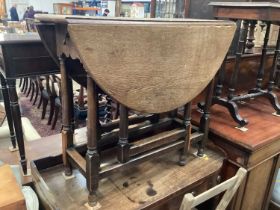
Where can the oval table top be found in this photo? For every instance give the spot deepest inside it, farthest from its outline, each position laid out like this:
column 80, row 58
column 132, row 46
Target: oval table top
column 149, row 65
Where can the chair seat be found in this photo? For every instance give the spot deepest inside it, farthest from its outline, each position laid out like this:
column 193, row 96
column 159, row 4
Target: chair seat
column 57, row 102
column 29, row 132
column 276, row 191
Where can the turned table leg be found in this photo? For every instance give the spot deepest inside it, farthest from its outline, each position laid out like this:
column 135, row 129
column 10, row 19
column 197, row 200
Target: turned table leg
column 205, row 118
column 17, row 122
column 8, row 110
column 187, row 124
column 92, row 155
column 67, row 109
column 229, row 102
column 123, row 146
column 249, row 49
column 263, row 58
column 221, row 77
column 274, row 65
column 239, row 52
column 270, row 95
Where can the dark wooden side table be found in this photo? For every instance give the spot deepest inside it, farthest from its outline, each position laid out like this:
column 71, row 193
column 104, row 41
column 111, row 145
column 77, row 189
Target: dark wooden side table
column 249, row 13
column 21, row 55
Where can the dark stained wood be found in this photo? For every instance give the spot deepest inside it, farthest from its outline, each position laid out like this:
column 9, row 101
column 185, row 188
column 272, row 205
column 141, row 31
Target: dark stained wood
column 22, row 55
column 272, row 76
column 49, row 40
column 153, row 7
column 251, row 37
column 205, row 118
column 67, row 129
column 77, row 160
column 273, row 206
column 187, row 8
column 8, row 111
column 16, row 116
column 157, row 140
column 263, row 60
column 92, row 155
column 236, row 11
column 266, row 11
column 123, row 150
column 187, row 134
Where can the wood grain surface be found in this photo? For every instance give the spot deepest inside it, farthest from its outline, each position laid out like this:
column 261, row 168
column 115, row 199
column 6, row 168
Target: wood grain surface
column 2, row 115
column 154, row 67
column 141, row 187
column 11, row 197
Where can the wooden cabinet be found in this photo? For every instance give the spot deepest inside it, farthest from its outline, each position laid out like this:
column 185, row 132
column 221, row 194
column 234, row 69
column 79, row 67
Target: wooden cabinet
column 2, row 8
column 257, row 150
column 63, row 8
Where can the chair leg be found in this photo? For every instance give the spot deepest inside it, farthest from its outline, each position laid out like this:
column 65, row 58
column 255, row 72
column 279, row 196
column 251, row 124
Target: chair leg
column 20, row 82
column 36, row 93
column 40, row 101
column 45, row 103
column 56, row 112
column 52, row 105
column 26, row 85
column 32, row 91
column 29, row 88
column 23, row 85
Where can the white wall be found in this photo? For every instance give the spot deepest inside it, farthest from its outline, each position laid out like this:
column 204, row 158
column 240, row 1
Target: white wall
column 21, row 6
column 40, row 5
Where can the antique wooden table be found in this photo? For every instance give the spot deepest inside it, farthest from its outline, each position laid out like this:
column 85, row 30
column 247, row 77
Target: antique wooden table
column 249, row 12
column 148, row 65
column 21, row 55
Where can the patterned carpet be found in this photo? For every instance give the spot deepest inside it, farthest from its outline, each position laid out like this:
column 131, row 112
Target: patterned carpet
column 34, row 115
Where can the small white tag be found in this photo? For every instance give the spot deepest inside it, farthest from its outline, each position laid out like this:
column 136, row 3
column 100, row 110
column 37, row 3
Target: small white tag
column 242, row 102
column 28, row 172
column 95, row 207
column 275, row 114
column 205, row 157
column 243, row 129
column 68, row 177
column 12, row 149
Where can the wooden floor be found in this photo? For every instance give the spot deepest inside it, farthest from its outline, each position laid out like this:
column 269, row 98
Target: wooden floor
column 138, row 187
column 44, row 147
